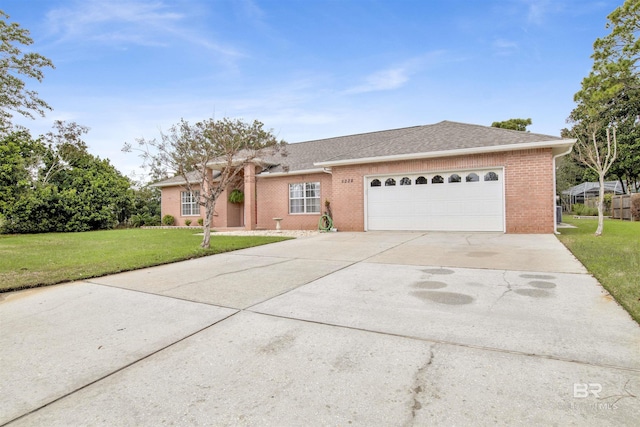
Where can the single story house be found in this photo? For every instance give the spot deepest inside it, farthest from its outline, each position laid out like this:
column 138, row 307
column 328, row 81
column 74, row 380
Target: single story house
column 446, row 176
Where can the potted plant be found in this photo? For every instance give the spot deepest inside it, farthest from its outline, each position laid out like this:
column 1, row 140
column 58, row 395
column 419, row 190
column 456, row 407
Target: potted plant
column 236, row 196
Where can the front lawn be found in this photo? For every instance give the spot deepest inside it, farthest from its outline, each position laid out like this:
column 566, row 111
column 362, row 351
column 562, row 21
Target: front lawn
column 45, row 259
column 613, row 258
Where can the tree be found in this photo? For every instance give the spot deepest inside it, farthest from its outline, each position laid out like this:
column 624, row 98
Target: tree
column 614, row 85
column 57, row 185
column 191, row 150
column 605, row 119
column 64, row 147
column 513, row 124
column 14, row 66
column 598, row 154
column 19, row 158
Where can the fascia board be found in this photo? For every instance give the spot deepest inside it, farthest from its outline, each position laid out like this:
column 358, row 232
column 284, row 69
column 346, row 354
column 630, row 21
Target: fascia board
column 560, row 144
column 291, row 173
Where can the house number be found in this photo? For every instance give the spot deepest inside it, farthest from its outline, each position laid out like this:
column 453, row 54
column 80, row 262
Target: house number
column 347, row 180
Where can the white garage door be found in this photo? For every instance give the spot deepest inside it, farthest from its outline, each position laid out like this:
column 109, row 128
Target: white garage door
column 452, row 201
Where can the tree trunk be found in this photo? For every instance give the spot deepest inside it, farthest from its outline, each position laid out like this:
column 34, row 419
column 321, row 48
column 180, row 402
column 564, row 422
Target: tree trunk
column 600, row 206
column 206, row 240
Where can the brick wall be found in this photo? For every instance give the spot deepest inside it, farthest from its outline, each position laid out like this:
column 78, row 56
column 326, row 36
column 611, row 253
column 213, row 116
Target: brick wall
column 529, row 189
column 225, row 214
column 171, row 205
column 273, row 201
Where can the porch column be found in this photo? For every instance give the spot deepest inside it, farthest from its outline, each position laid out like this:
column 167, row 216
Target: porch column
column 250, row 196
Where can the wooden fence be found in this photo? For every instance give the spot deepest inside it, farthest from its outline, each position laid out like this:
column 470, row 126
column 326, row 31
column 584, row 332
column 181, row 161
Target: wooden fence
column 621, row 207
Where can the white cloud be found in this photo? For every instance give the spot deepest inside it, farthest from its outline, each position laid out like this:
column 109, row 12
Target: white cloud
column 392, row 78
column 119, row 22
column 504, row 47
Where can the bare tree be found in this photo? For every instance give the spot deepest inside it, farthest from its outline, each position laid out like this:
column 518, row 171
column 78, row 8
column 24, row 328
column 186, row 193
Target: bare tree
column 192, row 151
column 598, row 154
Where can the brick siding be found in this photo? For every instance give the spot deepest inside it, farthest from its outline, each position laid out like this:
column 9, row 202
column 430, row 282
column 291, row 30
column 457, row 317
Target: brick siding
column 529, row 192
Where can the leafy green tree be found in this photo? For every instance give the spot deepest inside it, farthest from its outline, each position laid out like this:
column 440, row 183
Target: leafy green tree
column 19, row 156
column 608, row 103
column 230, row 144
column 145, row 209
column 610, row 94
column 513, row 124
column 15, row 66
column 71, row 191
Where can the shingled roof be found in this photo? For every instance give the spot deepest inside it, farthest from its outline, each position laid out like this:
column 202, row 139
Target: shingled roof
column 193, row 177
column 436, row 138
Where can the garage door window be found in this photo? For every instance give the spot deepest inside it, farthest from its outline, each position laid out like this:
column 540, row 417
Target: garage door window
column 405, row 181
column 437, row 180
column 491, row 176
column 473, row 177
column 390, row 182
column 454, row 178
column 421, row 180
column 304, row 198
column 376, row 183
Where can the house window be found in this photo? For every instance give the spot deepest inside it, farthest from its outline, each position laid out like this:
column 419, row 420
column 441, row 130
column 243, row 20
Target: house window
column 189, row 203
column 304, row 198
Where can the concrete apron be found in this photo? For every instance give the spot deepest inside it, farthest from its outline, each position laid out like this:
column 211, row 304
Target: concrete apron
column 337, row 329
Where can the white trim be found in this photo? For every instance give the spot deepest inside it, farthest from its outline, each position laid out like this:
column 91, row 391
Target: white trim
column 293, row 173
column 555, row 209
column 504, row 200
column 450, row 153
column 173, row 184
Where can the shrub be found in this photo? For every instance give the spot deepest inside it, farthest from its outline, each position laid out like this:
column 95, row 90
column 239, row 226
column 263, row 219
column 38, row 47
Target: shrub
column 578, row 209
column 168, row 220
column 187, row 222
column 153, row 221
column 200, row 222
column 607, row 203
column 582, row 210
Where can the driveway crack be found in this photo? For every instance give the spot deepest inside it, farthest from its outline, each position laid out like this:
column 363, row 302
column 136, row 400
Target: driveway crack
column 418, row 388
column 509, row 289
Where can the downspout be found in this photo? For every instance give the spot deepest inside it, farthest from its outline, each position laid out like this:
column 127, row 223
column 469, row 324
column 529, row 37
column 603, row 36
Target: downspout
column 555, row 209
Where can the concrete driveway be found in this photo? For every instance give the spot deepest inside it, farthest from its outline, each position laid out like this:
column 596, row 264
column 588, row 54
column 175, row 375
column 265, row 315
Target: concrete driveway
column 338, row 329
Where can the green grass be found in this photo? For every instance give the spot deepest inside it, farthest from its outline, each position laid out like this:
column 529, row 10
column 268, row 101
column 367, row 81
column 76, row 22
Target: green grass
column 613, row 258
column 46, row 259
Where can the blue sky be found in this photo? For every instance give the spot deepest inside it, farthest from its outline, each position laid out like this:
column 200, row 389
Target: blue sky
column 307, row 69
